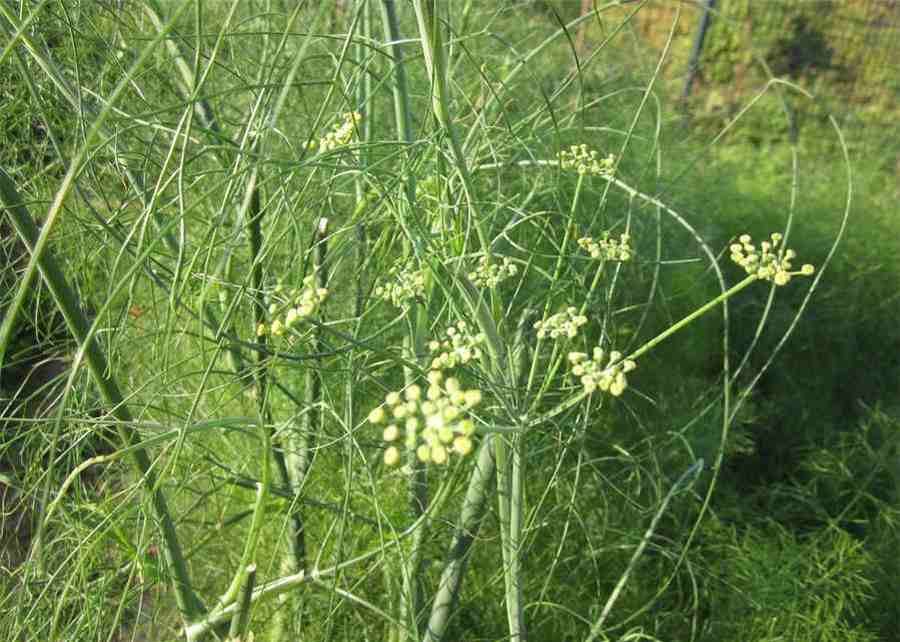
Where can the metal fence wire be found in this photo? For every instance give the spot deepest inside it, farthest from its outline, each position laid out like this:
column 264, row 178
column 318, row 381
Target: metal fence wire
column 847, row 52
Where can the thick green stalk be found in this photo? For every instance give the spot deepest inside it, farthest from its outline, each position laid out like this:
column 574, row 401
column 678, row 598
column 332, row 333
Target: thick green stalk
column 504, row 486
column 466, row 530
column 252, row 213
column 510, row 492
column 431, row 37
column 240, row 623
column 411, row 598
column 256, row 524
column 402, row 108
column 515, row 608
column 189, row 604
column 495, row 360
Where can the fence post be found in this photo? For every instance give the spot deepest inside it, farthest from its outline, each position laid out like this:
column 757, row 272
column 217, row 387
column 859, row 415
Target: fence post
column 708, row 6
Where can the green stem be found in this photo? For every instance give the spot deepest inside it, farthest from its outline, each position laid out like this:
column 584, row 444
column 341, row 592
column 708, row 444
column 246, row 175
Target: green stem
column 510, row 492
column 652, row 343
column 573, row 401
column 411, row 598
column 299, row 446
column 253, row 215
column 189, row 604
column 240, row 623
column 436, row 62
column 195, row 630
column 402, row 107
column 466, row 530
column 557, row 273
column 515, row 609
column 509, row 544
column 256, row 523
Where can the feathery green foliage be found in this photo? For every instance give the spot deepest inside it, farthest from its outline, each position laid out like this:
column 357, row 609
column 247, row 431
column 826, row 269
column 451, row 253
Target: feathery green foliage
column 524, row 393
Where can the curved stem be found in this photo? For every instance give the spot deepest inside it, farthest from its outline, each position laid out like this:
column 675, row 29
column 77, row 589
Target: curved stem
column 189, row 604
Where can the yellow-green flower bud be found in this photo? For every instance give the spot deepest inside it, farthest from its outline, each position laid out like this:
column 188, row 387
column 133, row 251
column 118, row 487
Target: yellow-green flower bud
column 438, row 454
column 391, row 456
column 277, row 328
column 462, row 445
column 446, row 430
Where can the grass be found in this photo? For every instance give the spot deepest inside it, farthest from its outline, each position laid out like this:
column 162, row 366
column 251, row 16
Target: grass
column 738, row 485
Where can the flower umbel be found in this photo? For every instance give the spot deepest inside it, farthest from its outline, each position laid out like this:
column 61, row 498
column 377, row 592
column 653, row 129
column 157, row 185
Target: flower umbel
column 490, row 275
column 608, row 249
column 561, row 324
column 432, row 422
column 341, row 132
column 767, row 262
column 586, row 161
column 594, row 374
column 403, row 285
column 300, row 303
column 458, row 348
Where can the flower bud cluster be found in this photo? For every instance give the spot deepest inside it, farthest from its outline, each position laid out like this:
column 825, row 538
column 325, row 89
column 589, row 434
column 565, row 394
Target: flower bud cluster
column 458, row 348
column 594, row 374
column 586, row 161
column 300, row 304
column 767, row 262
column 608, row 249
column 403, row 285
column 561, row 324
column 341, row 133
column 433, row 422
column 490, row 275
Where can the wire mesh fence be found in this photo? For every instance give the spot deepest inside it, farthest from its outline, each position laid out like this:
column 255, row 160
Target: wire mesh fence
column 847, row 52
